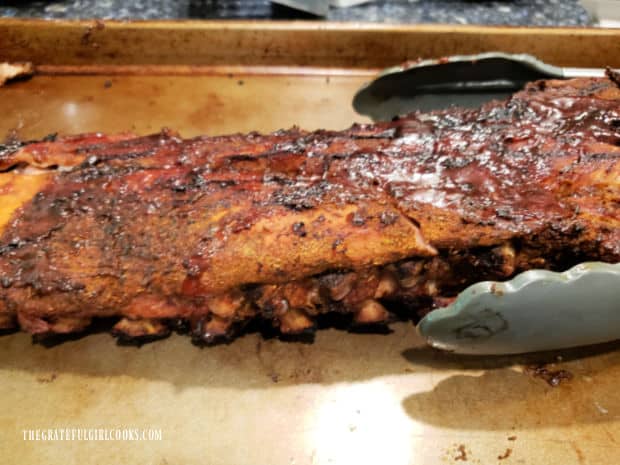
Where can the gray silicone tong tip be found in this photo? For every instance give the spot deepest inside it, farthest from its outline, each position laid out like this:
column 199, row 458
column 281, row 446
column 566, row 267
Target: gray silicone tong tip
column 465, row 81
column 535, row 311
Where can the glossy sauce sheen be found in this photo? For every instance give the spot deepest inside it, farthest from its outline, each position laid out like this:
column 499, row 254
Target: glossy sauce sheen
column 155, row 228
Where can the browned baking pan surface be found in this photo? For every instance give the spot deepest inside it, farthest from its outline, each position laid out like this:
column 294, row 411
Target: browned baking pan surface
column 344, row 399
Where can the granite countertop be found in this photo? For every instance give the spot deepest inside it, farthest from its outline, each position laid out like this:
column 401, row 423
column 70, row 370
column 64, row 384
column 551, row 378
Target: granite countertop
column 516, row 12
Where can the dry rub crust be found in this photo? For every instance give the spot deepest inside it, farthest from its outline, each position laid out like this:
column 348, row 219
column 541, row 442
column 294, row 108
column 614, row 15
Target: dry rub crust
column 217, row 231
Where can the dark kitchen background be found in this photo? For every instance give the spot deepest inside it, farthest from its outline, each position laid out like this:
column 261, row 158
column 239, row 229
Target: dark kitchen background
column 518, row 12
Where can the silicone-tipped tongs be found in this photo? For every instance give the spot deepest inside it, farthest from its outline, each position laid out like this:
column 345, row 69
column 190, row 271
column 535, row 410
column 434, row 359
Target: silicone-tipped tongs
column 465, row 81
column 536, row 310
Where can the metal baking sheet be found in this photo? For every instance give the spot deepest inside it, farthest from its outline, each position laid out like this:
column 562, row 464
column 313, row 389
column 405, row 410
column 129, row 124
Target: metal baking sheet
column 346, row 398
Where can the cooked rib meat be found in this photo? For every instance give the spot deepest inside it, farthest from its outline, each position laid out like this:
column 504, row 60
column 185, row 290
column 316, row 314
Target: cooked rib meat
column 217, row 231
